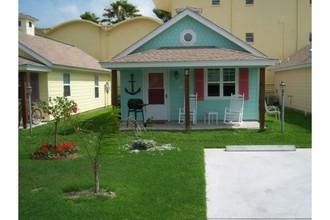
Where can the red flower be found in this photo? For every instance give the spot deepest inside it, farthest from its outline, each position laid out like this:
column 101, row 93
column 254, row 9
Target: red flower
column 75, row 109
column 64, row 148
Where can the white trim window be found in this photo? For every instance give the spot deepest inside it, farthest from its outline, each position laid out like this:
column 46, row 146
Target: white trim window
column 66, row 85
column 221, row 82
column 188, row 37
column 96, row 86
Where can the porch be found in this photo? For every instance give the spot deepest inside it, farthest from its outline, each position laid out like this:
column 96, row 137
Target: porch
column 200, row 125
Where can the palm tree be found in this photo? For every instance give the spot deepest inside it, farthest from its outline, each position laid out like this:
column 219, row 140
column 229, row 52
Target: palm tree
column 119, row 11
column 165, row 16
column 90, row 17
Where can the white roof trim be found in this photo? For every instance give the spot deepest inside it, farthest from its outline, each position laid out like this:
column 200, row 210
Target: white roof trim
column 81, row 69
column 33, row 68
column 293, row 67
column 240, row 63
column 188, row 12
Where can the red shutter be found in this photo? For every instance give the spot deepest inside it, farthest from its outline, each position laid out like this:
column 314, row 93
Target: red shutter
column 199, row 83
column 244, row 82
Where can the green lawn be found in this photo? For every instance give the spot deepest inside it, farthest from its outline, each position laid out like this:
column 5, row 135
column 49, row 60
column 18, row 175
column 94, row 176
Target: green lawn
column 148, row 185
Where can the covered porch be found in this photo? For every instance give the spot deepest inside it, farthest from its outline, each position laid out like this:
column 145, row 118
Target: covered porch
column 185, row 71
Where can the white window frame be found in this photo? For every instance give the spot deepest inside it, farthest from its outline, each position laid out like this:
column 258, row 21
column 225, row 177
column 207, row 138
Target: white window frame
column 67, row 84
column 96, row 86
column 221, row 83
column 193, row 37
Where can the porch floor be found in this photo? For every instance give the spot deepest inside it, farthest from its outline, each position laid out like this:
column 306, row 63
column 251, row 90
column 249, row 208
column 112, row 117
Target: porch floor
column 200, row 125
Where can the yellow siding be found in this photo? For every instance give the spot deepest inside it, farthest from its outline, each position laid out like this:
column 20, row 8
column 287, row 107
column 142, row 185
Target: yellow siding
column 82, row 88
column 298, row 88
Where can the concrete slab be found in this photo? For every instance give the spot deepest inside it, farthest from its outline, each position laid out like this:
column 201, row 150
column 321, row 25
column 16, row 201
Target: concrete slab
column 260, row 148
column 258, row 185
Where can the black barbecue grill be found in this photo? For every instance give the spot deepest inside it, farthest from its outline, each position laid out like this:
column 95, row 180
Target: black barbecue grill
column 135, row 105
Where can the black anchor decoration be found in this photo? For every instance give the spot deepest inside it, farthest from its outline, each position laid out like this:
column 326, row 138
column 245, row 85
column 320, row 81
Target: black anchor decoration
column 132, row 86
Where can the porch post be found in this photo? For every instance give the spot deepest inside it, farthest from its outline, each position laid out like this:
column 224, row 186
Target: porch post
column 24, row 101
column 114, row 88
column 186, row 98
column 262, row 99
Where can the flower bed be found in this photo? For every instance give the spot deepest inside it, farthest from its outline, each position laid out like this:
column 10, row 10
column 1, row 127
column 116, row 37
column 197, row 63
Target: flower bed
column 63, row 151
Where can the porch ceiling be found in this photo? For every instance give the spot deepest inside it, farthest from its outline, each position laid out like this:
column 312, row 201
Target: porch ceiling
column 189, row 56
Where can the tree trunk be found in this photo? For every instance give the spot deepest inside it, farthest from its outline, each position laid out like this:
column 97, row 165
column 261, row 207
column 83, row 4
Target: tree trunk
column 96, row 176
column 55, row 135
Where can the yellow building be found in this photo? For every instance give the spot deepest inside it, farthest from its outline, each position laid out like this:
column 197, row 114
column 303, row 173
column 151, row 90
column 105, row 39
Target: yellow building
column 279, row 28
column 103, row 42
column 296, row 72
column 53, row 68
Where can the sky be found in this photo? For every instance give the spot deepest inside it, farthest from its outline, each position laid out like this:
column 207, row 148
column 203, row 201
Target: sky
column 53, row 12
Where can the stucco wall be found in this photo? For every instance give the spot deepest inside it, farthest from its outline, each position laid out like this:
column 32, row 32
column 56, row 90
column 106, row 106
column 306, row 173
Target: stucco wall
column 103, row 42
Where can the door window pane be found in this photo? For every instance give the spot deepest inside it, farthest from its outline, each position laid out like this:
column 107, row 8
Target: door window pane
column 156, row 88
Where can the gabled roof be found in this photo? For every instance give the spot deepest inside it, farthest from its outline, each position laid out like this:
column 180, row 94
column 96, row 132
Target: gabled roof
column 26, row 64
column 188, row 56
column 199, row 18
column 300, row 59
column 53, row 54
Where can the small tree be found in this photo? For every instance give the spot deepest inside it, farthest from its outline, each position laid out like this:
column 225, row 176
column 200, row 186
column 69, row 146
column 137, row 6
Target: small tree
column 95, row 142
column 59, row 108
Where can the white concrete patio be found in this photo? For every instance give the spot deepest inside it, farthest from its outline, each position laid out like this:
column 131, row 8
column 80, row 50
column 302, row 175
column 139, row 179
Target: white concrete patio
column 258, row 184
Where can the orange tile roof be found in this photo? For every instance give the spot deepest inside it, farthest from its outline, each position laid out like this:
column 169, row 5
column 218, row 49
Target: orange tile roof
column 59, row 53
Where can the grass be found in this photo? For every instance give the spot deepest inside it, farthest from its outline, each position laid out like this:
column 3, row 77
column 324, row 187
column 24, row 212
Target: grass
column 148, row 185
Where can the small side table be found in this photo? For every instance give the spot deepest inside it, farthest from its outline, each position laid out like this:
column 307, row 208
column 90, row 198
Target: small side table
column 211, row 116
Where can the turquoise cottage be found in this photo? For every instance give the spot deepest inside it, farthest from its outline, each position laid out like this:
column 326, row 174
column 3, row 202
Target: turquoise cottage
column 189, row 55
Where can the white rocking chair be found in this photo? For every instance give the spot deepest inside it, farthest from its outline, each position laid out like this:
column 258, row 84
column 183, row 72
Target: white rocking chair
column 235, row 112
column 193, row 110
column 272, row 110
